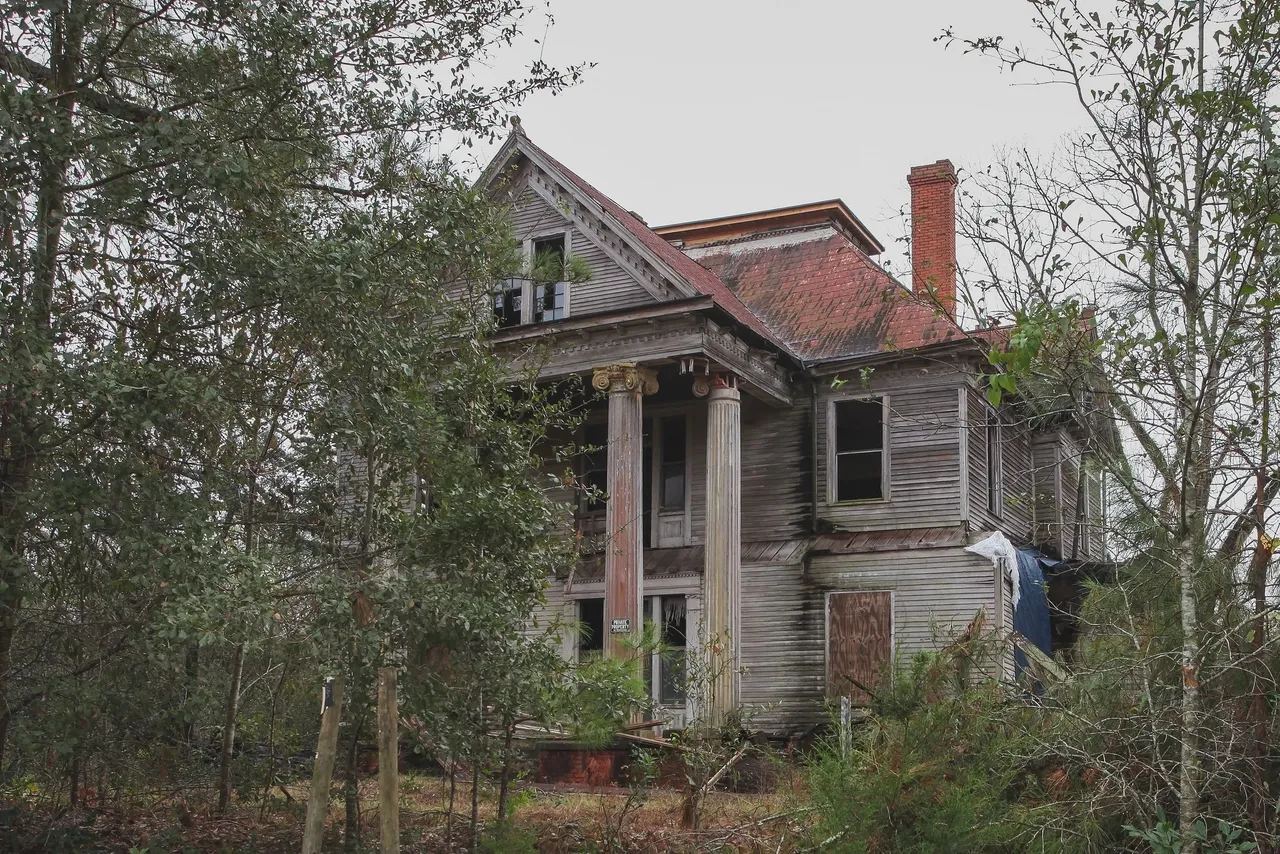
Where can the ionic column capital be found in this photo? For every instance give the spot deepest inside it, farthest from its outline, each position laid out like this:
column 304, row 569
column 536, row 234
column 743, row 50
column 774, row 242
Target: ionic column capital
column 704, row 385
column 624, row 377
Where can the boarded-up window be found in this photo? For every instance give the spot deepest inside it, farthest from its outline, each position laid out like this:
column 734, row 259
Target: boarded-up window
column 859, row 642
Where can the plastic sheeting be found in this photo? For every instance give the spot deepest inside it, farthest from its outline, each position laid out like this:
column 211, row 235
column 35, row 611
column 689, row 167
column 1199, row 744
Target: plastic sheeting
column 1031, row 611
column 997, row 549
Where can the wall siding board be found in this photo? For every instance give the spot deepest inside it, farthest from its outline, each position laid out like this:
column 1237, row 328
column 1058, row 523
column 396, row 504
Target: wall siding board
column 936, row 591
column 776, row 470
column 1015, row 517
column 924, row 452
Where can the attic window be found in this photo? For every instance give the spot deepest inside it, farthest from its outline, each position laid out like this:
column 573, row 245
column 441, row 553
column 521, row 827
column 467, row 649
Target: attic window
column 551, row 292
column 508, row 296
column 857, row 459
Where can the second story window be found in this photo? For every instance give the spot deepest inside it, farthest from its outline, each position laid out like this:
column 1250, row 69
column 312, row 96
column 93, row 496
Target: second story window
column 508, row 300
column 858, row 464
column 995, row 465
column 672, row 463
column 551, row 291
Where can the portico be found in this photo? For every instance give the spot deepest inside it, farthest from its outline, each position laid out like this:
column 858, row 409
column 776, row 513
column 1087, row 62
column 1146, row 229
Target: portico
column 626, row 385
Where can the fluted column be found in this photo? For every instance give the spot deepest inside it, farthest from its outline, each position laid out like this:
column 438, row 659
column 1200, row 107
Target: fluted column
column 724, row 546
column 624, row 513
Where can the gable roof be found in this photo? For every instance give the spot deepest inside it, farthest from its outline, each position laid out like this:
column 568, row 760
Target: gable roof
column 823, row 297
column 701, row 280
column 807, row 286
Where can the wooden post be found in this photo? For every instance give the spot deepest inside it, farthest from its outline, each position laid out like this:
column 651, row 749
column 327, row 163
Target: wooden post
column 322, row 773
column 723, row 545
column 624, row 515
column 388, row 761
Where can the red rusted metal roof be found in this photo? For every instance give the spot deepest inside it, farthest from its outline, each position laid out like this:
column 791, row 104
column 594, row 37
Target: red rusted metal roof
column 824, row 298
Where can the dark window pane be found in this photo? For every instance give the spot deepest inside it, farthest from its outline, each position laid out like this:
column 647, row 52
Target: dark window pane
column 548, row 259
column 858, row 477
column 673, row 486
column 591, row 636
column 506, row 303
column 673, row 439
column 858, row 425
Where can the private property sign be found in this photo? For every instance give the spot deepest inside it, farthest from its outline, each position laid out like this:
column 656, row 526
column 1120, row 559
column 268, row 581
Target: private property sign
column 620, row 626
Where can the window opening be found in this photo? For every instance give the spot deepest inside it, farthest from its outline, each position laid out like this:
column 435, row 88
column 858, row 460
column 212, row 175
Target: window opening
column 995, row 465
column 669, row 616
column 673, row 463
column 507, row 299
column 551, row 292
column 591, row 630
column 859, row 449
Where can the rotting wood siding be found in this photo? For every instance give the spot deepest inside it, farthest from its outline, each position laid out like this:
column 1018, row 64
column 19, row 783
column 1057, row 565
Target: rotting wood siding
column 1017, row 497
column 776, row 470
column 937, row 592
column 925, row 466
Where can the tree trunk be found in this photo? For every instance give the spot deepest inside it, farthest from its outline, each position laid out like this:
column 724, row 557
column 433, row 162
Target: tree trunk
column 1189, row 777
column 322, row 773
column 388, row 762
column 229, row 731
column 351, row 789
column 506, row 772
column 32, row 341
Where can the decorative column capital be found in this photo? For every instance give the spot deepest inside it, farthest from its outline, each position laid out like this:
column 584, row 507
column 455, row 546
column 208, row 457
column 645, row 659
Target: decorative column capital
column 704, row 385
column 624, row 377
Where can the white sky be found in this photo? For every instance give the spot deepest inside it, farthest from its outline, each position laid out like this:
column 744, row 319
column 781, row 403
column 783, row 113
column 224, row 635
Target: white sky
column 700, row 108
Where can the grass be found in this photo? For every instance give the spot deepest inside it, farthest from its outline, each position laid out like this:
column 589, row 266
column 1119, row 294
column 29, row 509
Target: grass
column 543, row 820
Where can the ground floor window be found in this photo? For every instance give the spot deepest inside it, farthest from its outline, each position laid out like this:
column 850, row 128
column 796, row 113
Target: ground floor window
column 590, row 628
column 670, row 615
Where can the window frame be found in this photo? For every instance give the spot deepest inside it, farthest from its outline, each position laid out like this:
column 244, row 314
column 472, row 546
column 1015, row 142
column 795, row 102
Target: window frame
column 653, row 613
column 886, row 483
column 528, row 311
column 995, row 491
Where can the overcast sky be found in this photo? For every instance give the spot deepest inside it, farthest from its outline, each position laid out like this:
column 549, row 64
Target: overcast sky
column 700, row 108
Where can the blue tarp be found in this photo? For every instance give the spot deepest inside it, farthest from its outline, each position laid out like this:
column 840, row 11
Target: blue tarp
column 1031, row 614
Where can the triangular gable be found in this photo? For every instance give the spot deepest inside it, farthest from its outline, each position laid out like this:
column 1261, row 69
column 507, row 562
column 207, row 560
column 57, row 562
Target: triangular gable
column 665, row 271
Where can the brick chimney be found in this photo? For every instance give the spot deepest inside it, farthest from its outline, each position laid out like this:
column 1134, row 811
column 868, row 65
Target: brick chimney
column 933, row 232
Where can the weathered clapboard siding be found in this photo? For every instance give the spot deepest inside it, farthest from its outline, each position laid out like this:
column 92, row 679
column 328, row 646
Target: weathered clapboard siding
column 609, row 288
column 936, row 591
column 782, row 648
column 1046, row 509
column 925, row 471
column 1015, row 509
column 776, row 470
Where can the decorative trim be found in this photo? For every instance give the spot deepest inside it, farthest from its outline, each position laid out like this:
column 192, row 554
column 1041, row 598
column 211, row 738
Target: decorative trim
column 624, row 377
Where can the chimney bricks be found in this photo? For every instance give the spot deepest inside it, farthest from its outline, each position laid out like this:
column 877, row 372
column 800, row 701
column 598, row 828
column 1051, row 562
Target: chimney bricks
column 933, row 233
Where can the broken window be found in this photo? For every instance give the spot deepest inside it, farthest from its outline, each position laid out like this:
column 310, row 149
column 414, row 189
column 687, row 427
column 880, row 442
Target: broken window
column 507, row 300
column 551, row 292
column 672, row 463
column 858, row 444
column 669, row 615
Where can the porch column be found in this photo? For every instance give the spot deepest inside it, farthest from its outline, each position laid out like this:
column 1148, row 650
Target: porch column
column 624, row 550
column 724, row 545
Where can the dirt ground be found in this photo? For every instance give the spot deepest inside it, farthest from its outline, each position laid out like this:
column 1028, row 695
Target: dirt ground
column 543, row 819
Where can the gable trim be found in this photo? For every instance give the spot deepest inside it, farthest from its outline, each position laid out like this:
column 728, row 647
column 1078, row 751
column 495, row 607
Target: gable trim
column 584, row 228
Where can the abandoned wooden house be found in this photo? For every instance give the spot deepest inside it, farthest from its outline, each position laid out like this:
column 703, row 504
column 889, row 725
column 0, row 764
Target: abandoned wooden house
column 796, row 448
